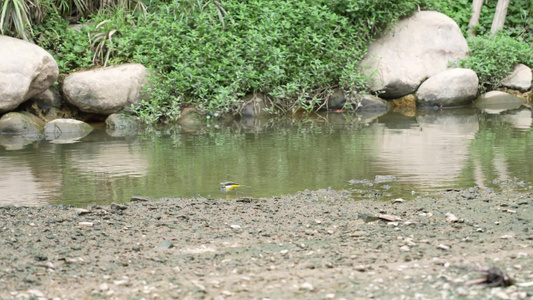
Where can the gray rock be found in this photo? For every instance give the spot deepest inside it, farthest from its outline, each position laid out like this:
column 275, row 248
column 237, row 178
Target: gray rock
column 164, row 245
column 121, row 121
column 120, row 125
column 454, row 87
column 256, row 105
column 47, row 100
column 520, row 79
column 371, row 104
column 17, row 142
column 416, row 48
column 52, row 114
column 495, row 102
column 337, row 100
column 106, row 90
column 26, row 70
column 66, row 130
column 21, row 123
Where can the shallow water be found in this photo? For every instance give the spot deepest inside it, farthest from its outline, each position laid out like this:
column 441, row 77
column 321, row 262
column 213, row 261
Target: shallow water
column 431, row 150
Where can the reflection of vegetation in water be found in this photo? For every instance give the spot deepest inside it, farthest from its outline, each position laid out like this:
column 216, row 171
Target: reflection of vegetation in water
column 274, row 157
column 287, row 157
column 499, row 151
column 97, row 172
column 281, row 156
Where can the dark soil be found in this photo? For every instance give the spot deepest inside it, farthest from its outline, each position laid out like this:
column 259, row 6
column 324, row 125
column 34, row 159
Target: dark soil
column 471, row 244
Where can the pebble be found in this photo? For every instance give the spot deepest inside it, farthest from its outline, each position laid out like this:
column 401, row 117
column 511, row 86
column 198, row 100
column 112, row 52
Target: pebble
column 103, row 287
column 443, row 247
column 121, row 282
column 36, row 293
column 451, row 218
column 86, row 224
column 307, row 286
column 409, row 242
column 389, row 218
column 404, row 248
column 165, row 244
column 81, row 211
column 360, row 268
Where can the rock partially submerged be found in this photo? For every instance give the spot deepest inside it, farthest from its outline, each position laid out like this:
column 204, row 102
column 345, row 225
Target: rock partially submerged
column 495, row 102
column 373, row 104
column 66, row 130
column 21, row 123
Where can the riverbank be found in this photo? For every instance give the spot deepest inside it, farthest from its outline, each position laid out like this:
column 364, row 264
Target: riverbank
column 311, row 245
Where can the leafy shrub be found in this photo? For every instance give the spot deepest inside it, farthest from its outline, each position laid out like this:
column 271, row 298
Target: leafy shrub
column 210, row 53
column 493, row 58
column 18, row 17
column 294, row 51
column 69, row 47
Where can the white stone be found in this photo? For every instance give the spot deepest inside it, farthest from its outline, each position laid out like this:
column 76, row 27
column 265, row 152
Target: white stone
column 495, row 102
column 106, row 90
column 416, row 48
column 26, row 70
column 520, row 79
column 454, row 87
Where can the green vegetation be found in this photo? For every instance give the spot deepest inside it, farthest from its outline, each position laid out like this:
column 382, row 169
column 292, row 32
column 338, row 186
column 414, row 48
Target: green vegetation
column 294, row 51
column 493, row 58
column 210, row 53
column 518, row 24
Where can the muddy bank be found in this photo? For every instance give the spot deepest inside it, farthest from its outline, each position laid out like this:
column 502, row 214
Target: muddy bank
column 312, row 245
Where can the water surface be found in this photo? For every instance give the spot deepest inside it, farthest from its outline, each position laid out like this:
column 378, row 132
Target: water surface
column 427, row 151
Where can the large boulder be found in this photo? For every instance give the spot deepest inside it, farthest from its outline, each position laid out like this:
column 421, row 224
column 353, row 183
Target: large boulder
column 22, row 123
column 26, row 70
column 519, row 79
column 454, row 87
column 106, row 90
column 416, row 48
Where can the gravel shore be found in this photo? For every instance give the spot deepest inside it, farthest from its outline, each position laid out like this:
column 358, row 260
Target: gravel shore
column 313, row 245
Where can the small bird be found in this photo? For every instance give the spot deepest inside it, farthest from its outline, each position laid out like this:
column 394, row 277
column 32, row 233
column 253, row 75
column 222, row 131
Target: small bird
column 229, row 186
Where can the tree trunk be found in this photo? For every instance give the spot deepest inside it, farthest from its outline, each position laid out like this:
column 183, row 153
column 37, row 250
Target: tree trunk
column 499, row 16
column 474, row 19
